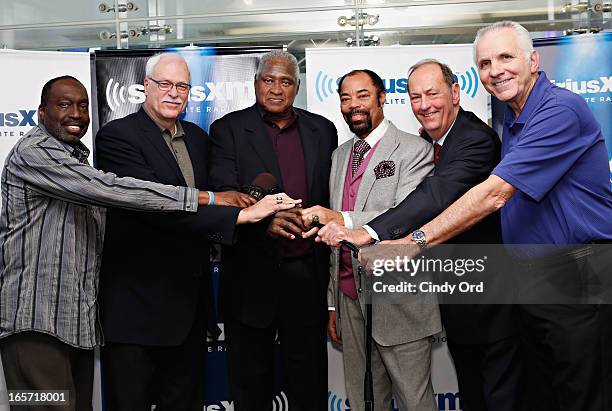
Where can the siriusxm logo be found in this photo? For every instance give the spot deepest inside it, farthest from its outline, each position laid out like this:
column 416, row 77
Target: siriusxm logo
column 445, row 401
column 449, row 401
column 221, row 336
column 116, row 94
column 336, row 403
column 222, row 406
column 279, row 403
column 325, row 85
column 468, row 82
column 20, row 118
column 594, row 86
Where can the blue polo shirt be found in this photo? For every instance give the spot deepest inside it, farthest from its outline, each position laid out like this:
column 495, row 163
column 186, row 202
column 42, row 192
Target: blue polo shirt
column 554, row 154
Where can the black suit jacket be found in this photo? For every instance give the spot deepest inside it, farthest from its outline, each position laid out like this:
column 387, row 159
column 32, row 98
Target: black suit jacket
column 241, row 148
column 470, row 152
column 155, row 274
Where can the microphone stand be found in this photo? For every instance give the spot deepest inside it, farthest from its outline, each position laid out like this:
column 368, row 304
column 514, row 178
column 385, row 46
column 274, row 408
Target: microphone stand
column 368, row 384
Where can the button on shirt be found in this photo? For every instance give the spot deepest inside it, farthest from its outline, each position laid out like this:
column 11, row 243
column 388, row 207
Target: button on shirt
column 176, row 144
column 52, row 233
column 287, row 144
column 554, row 155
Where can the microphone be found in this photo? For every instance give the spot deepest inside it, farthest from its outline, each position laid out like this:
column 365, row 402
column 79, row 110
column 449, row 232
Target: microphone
column 262, row 185
column 354, row 249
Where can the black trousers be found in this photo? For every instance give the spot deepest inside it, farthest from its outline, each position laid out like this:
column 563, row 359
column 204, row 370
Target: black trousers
column 303, row 344
column 136, row 376
column 490, row 375
column 567, row 343
column 568, row 357
column 38, row 361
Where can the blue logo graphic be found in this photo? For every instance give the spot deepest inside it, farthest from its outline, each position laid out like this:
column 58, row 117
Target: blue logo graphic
column 335, row 402
column 21, row 118
column 324, row 85
column 469, row 81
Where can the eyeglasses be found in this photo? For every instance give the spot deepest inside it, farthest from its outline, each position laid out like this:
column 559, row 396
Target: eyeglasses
column 167, row 85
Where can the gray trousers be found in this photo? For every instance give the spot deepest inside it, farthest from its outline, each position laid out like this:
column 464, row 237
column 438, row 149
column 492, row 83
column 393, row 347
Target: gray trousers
column 402, row 371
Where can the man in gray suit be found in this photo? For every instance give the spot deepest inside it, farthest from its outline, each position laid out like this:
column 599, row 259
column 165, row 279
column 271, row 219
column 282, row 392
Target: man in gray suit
column 371, row 173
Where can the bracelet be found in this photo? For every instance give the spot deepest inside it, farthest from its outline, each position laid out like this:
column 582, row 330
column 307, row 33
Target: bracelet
column 211, row 198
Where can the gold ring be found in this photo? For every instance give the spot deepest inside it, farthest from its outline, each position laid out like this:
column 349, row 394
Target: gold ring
column 315, row 219
column 279, row 199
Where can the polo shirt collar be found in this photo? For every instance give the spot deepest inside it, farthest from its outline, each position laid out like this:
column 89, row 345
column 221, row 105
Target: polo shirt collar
column 540, row 87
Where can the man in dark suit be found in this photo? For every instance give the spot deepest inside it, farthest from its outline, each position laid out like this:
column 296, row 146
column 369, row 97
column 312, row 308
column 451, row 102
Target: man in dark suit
column 273, row 281
column 154, row 286
column 481, row 338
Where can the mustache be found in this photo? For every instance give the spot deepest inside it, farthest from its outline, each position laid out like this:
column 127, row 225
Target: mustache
column 177, row 100
column 74, row 123
column 358, row 111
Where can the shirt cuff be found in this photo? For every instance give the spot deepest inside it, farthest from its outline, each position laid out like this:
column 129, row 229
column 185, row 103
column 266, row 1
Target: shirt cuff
column 372, row 233
column 190, row 195
column 348, row 221
column 331, row 308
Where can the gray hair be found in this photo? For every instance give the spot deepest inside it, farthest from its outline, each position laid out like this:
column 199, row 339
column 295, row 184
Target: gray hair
column 155, row 59
column 522, row 35
column 279, row 55
column 447, row 73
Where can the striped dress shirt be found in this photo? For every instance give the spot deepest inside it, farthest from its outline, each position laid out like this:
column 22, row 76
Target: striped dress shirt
column 52, row 232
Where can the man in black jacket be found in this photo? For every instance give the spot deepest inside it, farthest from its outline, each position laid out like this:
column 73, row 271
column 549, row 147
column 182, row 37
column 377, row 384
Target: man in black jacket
column 481, row 338
column 272, row 280
column 155, row 289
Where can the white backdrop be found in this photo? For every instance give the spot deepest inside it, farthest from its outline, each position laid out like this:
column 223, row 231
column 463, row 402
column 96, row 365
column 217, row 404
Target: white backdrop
column 323, row 69
column 325, row 66
column 22, row 76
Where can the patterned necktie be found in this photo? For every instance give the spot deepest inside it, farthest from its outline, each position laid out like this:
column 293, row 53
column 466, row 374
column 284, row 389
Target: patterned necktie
column 437, row 149
column 359, row 150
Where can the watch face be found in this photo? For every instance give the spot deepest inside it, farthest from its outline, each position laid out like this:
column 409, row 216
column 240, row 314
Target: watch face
column 418, row 236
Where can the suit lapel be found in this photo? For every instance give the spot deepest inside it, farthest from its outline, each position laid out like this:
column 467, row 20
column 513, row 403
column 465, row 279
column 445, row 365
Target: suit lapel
column 339, row 177
column 310, row 145
column 153, row 135
column 260, row 141
column 387, row 145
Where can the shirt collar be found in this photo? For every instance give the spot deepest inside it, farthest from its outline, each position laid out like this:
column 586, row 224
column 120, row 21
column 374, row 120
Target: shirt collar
column 266, row 117
column 541, row 85
column 376, row 134
column 77, row 150
column 441, row 141
column 179, row 129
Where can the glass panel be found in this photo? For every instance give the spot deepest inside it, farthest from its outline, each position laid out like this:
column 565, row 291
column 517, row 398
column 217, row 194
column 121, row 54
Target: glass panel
column 208, row 7
column 57, row 38
column 56, row 11
column 279, row 28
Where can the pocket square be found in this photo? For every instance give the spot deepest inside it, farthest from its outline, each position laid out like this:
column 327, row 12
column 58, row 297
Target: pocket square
column 384, row 169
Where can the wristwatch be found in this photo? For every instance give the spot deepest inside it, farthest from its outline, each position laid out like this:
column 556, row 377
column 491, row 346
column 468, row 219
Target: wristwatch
column 418, row 237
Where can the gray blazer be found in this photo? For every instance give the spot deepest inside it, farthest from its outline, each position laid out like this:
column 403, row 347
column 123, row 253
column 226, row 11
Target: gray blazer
column 413, row 158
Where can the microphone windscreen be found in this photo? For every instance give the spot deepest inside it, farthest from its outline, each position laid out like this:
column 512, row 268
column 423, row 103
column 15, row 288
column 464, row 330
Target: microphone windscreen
column 265, row 180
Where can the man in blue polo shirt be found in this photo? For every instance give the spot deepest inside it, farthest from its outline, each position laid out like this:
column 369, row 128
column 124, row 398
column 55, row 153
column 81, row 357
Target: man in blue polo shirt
column 552, row 186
